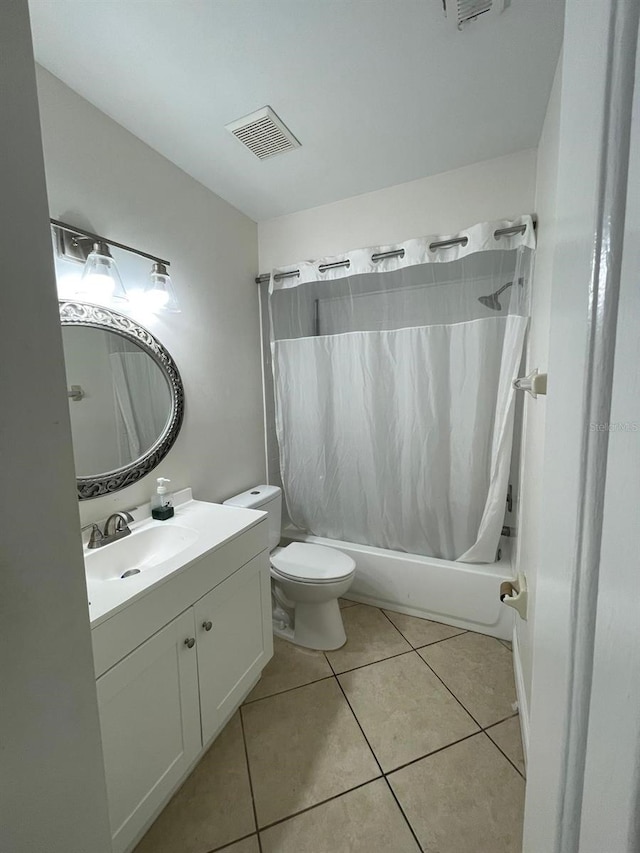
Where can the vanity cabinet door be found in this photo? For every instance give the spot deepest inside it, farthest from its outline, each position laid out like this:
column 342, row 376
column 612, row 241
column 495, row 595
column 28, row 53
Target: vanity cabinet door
column 235, row 641
column 150, row 721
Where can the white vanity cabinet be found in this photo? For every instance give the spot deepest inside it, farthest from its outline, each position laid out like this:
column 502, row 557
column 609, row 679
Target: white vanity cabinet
column 172, row 667
column 230, row 624
column 150, row 723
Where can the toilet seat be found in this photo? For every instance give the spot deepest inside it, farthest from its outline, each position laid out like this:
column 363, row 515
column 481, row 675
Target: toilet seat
column 309, row 563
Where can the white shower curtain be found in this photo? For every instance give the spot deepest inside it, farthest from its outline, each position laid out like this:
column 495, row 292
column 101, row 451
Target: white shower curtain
column 394, row 403
column 142, row 402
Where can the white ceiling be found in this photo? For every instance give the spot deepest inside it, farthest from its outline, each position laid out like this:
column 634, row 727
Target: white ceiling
column 377, row 91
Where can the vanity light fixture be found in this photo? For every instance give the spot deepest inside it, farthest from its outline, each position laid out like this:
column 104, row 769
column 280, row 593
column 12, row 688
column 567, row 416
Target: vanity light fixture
column 158, row 294
column 101, row 280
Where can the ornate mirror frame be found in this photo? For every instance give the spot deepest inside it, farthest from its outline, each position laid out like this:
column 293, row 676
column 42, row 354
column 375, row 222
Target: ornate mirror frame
column 97, row 317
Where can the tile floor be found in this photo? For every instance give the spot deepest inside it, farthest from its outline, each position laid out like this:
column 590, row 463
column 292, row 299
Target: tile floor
column 404, row 740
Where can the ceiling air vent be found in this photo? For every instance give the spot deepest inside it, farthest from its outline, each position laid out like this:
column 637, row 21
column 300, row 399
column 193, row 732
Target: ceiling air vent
column 469, row 10
column 263, row 133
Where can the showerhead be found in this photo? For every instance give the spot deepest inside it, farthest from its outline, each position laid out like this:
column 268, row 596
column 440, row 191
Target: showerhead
column 491, row 302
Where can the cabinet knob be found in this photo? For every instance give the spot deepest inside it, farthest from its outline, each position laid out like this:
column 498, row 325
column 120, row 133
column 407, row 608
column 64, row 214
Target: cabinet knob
column 190, row 642
column 207, row 625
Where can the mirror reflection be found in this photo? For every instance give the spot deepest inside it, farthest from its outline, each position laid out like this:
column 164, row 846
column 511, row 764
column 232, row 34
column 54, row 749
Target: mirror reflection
column 119, row 399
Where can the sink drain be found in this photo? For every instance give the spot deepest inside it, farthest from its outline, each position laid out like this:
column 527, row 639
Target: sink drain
column 129, row 573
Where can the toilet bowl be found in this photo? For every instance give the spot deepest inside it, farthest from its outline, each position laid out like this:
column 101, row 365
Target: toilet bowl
column 307, row 582
column 306, row 579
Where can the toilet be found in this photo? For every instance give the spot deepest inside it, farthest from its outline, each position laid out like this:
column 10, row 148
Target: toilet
column 306, row 579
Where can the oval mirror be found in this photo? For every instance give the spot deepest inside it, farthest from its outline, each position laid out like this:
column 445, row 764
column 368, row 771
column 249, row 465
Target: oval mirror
column 126, row 398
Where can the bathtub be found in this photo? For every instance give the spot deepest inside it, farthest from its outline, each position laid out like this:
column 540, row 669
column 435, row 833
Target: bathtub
column 464, row 595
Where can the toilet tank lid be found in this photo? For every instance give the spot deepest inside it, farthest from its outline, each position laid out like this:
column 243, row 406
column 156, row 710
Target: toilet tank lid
column 255, row 497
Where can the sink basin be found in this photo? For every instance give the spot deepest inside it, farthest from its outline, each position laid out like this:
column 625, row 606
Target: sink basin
column 143, row 549
column 128, row 569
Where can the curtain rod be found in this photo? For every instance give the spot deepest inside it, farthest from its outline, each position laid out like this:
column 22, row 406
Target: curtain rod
column 397, row 253
column 73, row 229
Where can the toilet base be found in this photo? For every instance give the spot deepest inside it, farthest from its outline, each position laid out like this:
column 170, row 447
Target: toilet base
column 316, row 626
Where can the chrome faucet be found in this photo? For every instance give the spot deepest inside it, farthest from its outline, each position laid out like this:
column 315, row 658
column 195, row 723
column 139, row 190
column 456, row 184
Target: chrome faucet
column 116, row 527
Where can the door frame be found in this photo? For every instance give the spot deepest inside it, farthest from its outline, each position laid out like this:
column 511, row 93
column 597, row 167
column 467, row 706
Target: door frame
column 599, row 62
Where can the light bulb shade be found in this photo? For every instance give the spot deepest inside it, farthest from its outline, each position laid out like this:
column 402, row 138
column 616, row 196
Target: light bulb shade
column 158, row 293
column 101, row 280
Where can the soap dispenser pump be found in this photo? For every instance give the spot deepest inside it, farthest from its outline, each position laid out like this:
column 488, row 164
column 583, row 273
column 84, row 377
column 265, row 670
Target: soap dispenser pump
column 161, row 502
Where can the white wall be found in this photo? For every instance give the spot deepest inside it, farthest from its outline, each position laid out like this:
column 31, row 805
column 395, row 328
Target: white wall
column 52, row 790
column 441, row 204
column 531, row 532
column 102, row 177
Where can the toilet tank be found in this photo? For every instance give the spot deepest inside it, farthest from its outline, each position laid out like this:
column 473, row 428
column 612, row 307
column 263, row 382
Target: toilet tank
column 268, row 499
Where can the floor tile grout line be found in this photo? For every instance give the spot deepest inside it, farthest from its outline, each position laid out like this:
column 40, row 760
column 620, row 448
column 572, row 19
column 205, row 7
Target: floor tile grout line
column 231, row 843
column 503, row 720
column 363, row 665
column 442, row 640
column 326, row 657
column 464, row 708
column 302, row 811
column 500, row 749
column 355, row 717
column 433, row 752
column 433, row 643
column 371, row 663
column 332, row 674
column 482, row 728
column 402, row 812
column 320, row 803
column 395, row 626
column 286, row 690
column 253, row 800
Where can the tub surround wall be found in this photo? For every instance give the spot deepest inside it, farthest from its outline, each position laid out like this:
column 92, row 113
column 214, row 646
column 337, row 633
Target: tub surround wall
column 52, row 786
column 102, row 177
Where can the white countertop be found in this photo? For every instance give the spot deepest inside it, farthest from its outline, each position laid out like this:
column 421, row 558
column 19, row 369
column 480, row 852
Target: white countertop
column 213, row 525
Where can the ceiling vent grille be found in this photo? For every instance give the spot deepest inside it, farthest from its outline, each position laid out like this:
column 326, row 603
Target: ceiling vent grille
column 470, row 9
column 263, row 133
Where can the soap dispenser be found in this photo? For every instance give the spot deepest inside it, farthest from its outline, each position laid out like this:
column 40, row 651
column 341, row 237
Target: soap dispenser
column 161, row 501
